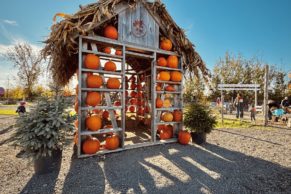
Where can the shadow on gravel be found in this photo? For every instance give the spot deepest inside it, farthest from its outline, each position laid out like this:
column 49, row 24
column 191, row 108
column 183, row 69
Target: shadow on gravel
column 44, row 183
column 84, row 176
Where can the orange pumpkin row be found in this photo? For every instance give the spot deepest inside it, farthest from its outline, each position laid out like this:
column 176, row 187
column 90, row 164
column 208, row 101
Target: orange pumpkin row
column 92, row 145
column 174, row 76
column 176, row 116
column 95, row 81
column 92, row 61
column 107, row 50
column 172, row 61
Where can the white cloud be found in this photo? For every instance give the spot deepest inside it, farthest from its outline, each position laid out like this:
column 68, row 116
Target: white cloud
column 10, row 22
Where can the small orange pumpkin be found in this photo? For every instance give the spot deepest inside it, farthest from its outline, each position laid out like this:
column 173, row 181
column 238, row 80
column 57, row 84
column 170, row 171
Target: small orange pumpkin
column 117, row 103
column 176, row 76
column 91, row 145
column 159, row 103
column 93, row 98
column 113, row 83
column 92, row 61
column 133, row 86
column 132, row 109
column 93, row 123
column 184, row 137
column 105, row 114
column 110, row 32
column 167, row 103
column 94, row 81
column 140, row 111
column 146, row 109
column 170, row 88
column 173, row 61
column 178, row 115
column 107, row 50
column 166, row 44
column 133, row 101
column 158, row 88
column 133, row 94
column 110, row 66
column 118, row 52
column 162, row 62
column 112, row 142
column 164, row 76
column 167, row 117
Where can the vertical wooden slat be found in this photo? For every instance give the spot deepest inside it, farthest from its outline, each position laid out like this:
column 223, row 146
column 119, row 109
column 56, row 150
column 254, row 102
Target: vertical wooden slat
column 123, row 97
column 80, row 97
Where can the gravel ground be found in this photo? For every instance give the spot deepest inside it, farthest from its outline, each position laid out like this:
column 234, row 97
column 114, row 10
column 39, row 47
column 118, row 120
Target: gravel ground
column 233, row 161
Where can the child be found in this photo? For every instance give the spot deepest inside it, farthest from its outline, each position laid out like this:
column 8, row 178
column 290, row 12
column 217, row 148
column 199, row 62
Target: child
column 21, row 109
column 253, row 113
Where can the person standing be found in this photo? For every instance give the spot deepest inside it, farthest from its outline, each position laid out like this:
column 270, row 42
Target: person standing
column 21, row 109
column 238, row 102
column 253, row 113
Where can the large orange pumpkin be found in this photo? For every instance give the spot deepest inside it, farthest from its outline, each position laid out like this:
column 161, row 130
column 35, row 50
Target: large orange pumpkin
column 92, row 61
column 170, row 88
column 112, row 142
column 166, row 44
column 167, row 132
column 110, row 66
column 164, row 76
column 173, row 61
column 91, row 145
column 178, row 115
column 167, row 117
column 110, row 32
column 184, row 137
column 107, row 50
column 94, row 81
column 93, row 123
column 93, row 98
column 113, row 83
column 162, row 62
column 176, row 76
column 159, row 103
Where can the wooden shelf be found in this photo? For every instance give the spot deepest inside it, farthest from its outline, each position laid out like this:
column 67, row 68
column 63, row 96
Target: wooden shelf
column 169, row 123
column 101, row 71
column 167, row 92
column 169, row 82
column 168, row 68
column 170, row 108
column 101, row 107
column 101, row 131
column 101, row 90
column 102, row 54
column 101, row 152
column 139, row 55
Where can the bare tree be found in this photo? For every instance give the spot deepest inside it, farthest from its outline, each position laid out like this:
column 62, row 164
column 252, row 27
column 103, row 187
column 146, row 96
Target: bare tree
column 28, row 62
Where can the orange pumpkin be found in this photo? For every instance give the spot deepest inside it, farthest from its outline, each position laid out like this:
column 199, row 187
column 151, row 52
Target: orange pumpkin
column 94, row 81
column 166, row 44
column 140, row 111
column 178, row 115
column 105, row 114
column 133, row 86
column 91, row 145
column 132, row 109
column 184, row 137
column 166, row 133
column 133, row 94
column 117, row 103
column 112, row 142
column 110, row 66
column 107, row 50
column 173, row 61
column 167, row 117
column 110, row 32
column 160, row 127
column 113, row 83
column 176, row 76
column 170, row 88
column 167, row 103
column 162, row 62
column 159, row 103
column 133, row 101
column 132, row 78
column 139, row 86
column 118, row 52
column 158, row 88
column 164, row 76
column 93, row 98
column 140, row 94
column 146, row 109
column 93, row 123
column 92, row 61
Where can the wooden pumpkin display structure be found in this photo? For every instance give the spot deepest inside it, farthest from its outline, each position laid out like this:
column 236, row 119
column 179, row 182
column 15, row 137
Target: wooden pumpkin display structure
column 130, row 76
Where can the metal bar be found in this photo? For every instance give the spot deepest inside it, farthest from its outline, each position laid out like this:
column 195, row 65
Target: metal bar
column 169, row 109
column 123, row 97
column 103, row 40
column 167, row 92
column 266, row 81
column 101, row 71
column 168, row 68
column 161, row 123
column 168, row 82
column 79, row 97
column 102, row 54
column 221, row 107
column 153, row 102
column 101, row 131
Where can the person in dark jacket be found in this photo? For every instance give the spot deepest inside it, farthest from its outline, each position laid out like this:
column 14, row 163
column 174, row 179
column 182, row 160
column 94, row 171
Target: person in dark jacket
column 21, row 108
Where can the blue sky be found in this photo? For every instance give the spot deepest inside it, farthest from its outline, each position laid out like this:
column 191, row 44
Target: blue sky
column 249, row 27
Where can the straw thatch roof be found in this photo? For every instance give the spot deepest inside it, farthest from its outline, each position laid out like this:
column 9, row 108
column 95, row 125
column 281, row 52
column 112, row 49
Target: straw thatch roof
column 61, row 46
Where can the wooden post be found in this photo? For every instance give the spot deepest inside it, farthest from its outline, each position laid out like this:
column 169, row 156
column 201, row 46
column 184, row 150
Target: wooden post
column 256, row 97
column 222, row 107
column 266, row 108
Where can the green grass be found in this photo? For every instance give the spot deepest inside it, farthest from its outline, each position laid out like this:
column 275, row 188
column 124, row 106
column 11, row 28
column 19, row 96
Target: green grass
column 7, row 112
column 232, row 123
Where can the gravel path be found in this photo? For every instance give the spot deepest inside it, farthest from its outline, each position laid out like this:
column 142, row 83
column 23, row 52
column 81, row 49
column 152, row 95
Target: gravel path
column 233, row 161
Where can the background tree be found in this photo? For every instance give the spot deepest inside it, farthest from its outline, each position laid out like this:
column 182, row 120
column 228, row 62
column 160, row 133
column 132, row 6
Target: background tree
column 28, row 63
